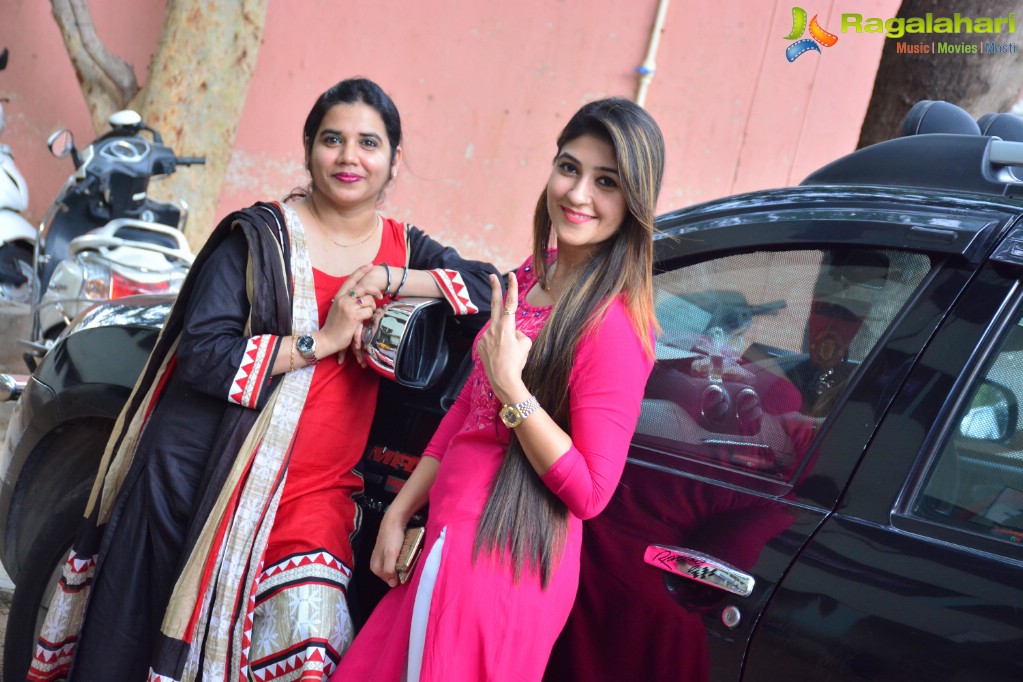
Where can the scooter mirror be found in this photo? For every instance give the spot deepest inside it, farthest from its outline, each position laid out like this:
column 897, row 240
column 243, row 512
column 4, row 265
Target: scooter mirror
column 61, row 143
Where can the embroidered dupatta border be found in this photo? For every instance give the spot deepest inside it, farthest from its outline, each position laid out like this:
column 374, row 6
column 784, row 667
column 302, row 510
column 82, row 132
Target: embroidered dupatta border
column 210, row 609
column 59, row 636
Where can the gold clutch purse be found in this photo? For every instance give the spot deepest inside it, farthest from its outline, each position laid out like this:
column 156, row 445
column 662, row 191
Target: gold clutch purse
column 409, row 553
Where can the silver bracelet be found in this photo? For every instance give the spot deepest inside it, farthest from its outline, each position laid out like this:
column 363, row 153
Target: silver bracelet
column 401, row 283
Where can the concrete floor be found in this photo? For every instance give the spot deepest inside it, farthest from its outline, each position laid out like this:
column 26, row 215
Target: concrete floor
column 5, row 581
column 12, row 328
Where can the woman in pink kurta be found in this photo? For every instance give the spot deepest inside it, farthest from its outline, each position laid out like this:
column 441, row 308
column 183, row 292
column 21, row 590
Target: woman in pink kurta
column 537, row 440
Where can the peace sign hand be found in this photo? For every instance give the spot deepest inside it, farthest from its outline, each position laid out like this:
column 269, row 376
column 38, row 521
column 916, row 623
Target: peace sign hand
column 503, row 349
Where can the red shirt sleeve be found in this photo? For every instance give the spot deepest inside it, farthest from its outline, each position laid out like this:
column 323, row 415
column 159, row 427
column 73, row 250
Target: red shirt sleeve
column 605, row 392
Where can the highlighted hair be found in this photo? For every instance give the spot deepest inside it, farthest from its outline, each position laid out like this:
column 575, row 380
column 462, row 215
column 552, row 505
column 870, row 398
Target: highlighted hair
column 522, row 514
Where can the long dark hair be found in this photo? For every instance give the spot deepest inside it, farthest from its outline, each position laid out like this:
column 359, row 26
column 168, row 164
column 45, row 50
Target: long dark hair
column 522, row 514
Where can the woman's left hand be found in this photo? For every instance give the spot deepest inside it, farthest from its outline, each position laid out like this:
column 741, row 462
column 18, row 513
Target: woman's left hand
column 374, row 280
column 352, row 306
column 503, row 349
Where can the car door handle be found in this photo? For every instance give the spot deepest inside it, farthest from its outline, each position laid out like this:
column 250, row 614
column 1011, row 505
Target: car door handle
column 699, row 567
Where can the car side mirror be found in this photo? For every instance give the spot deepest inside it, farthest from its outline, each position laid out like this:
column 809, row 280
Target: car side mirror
column 992, row 415
column 405, row 342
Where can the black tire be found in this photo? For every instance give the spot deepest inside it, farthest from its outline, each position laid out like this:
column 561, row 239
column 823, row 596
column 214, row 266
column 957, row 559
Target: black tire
column 55, row 498
column 32, row 597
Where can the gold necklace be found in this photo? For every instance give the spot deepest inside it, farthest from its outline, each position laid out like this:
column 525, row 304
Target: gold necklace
column 550, row 277
column 365, row 239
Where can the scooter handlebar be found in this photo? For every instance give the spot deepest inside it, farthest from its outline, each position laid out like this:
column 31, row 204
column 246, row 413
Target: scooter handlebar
column 191, row 160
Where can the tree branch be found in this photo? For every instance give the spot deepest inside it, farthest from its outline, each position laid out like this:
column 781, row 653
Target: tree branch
column 107, row 81
column 113, row 67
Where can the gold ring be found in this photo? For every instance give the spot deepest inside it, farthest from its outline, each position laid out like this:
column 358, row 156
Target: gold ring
column 509, row 311
column 359, row 301
column 351, row 292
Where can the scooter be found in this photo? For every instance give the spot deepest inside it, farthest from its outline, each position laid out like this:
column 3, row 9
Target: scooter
column 104, row 237
column 17, row 236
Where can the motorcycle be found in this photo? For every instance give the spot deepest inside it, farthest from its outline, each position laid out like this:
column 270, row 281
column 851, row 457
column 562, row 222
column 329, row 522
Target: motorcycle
column 17, row 236
column 104, row 237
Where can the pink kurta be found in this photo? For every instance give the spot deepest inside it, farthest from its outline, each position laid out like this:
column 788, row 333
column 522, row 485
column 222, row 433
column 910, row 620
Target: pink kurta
column 481, row 626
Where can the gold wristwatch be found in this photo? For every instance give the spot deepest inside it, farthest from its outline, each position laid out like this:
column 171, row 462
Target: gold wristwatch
column 513, row 415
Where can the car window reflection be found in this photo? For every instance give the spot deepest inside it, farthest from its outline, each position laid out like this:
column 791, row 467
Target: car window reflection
column 976, row 481
column 757, row 349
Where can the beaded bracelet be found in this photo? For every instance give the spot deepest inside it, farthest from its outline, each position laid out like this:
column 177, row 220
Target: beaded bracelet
column 293, row 340
column 401, row 283
column 387, row 287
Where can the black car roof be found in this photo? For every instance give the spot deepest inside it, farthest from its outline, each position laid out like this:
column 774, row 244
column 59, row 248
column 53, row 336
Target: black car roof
column 959, row 163
column 935, row 192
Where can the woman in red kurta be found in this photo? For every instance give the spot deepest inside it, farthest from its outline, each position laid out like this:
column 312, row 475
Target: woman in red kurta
column 299, row 609
column 537, row 440
column 218, row 538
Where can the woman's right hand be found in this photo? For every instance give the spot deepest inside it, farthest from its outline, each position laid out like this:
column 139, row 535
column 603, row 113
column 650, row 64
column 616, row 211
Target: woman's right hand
column 390, row 538
column 353, row 304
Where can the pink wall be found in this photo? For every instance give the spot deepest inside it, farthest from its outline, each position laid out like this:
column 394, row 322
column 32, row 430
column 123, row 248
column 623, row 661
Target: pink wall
column 484, row 89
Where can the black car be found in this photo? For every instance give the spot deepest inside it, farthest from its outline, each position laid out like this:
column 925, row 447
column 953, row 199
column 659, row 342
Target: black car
column 826, row 481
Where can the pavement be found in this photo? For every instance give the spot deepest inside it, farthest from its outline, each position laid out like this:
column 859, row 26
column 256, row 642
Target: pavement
column 12, row 328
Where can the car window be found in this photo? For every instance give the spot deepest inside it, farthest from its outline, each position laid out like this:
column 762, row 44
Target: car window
column 976, row 482
column 757, row 348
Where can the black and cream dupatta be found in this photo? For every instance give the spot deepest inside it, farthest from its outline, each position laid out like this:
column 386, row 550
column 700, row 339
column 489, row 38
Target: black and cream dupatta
column 203, row 632
column 213, row 601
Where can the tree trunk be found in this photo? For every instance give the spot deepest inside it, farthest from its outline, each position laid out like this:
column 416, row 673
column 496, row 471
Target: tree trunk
column 979, row 83
column 195, row 93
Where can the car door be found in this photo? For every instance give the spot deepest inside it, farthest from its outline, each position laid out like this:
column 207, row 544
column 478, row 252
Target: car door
column 779, row 352
column 919, row 574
